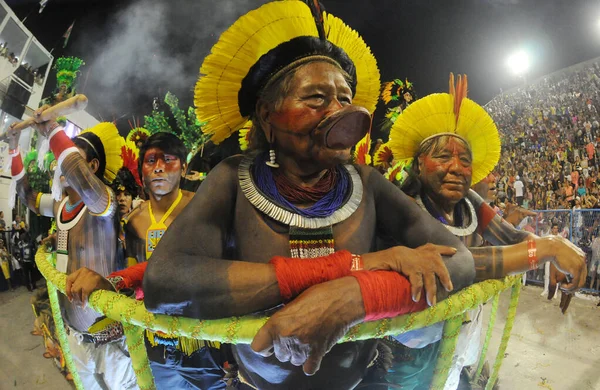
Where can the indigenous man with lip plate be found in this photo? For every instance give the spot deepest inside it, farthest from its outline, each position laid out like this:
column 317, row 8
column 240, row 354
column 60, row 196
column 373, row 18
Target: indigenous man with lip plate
column 292, row 222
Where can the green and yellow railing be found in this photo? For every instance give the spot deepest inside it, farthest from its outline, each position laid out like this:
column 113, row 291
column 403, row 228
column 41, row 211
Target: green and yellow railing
column 241, row 330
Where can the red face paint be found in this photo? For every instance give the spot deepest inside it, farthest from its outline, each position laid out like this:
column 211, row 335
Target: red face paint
column 161, row 172
column 317, row 90
column 447, row 173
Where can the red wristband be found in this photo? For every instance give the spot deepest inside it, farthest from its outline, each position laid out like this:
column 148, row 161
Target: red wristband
column 16, row 165
column 386, row 294
column 59, row 142
column 296, row 275
column 532, row 254
column 132, row 276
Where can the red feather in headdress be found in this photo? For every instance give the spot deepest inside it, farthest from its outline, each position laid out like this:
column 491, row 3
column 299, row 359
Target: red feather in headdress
column 362, row 149
column 130, row 161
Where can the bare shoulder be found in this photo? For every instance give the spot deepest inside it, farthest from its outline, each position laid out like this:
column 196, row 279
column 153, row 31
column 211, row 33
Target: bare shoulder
column 186, row 197
column 223, row 176
column 138, row 218
column 371, row 178
column 228, row 166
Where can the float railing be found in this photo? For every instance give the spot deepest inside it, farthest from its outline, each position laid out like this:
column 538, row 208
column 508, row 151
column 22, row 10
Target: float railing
column 241, row 330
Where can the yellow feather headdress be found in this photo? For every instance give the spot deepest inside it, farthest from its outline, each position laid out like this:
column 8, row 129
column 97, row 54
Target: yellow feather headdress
column 453, row 113
column 112, row 142
column 257, row 33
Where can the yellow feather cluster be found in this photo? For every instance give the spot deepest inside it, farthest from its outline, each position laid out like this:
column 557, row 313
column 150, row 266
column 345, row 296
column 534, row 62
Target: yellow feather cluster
column 434, row 114
column 252, row 36
column 244, row 136
column 112, row 143
column 480, row 131
column 368, row 80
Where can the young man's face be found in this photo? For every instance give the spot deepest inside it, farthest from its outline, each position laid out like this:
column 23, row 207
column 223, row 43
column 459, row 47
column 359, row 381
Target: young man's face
column 161, row 172
column 125, row 201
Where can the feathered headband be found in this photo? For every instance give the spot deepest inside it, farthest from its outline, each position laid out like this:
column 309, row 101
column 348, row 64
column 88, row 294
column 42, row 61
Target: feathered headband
column 448, row 114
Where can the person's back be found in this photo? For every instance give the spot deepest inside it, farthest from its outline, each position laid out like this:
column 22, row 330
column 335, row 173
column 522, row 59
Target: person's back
column 518, row 188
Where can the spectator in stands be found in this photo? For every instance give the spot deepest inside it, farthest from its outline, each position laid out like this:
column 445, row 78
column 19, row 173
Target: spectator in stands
column 518, row 186
column 26, row 247
column 16, row 223
column 581, row 189
column 5, row 264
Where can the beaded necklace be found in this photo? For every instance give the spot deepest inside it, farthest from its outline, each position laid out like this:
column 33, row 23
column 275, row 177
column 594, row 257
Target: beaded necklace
column 328, row 203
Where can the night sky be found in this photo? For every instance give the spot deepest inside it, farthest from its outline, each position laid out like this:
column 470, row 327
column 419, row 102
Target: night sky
column 136, row 50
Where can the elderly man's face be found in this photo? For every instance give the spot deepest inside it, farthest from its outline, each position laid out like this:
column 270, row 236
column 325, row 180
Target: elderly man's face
column 446, row 173
column 317, row 90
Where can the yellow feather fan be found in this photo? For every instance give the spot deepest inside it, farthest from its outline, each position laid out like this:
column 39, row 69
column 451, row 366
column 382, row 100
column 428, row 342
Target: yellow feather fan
column 112, row 143
column 255, row 34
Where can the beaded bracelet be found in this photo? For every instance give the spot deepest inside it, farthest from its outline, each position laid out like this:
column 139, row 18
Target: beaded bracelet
column 357, row 263
column 532, row 254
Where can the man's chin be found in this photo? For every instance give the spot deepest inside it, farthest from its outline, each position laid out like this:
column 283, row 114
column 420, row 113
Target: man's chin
column 453, row 194
column 332, row 157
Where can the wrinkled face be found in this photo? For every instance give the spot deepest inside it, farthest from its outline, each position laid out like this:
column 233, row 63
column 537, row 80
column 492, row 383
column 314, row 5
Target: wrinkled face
column 317, row 90
column 487, row 188
column 446, row 173
column 125, row 201
column 161, row 172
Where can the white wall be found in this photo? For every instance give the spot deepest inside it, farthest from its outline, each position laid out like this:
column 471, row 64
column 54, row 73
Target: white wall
column 83, row 120
column 4, row 184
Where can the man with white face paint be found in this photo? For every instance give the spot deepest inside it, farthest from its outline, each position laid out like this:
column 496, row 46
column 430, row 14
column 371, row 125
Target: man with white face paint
column 176, row 362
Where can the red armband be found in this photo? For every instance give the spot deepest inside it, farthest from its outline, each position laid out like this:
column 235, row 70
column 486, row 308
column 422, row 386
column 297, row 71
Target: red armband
column 485, row 214
column 386, row 294
column 532, row 254
column 132, row 277
column 59, row 142
column 296, row 275
column 16, row 164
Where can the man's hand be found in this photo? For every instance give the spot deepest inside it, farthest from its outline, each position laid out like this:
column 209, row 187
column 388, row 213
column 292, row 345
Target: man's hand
column 13, row 136
column 420, row 266
column 43, row 127
column 568, row 259
column 83, row 282
column 308, row 327
column 557, row 277
column 50, row 240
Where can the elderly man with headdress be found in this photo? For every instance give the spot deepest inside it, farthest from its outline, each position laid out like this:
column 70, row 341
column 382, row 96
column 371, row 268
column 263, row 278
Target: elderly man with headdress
column 87, row 232
column 453, row 142
column 289, row 222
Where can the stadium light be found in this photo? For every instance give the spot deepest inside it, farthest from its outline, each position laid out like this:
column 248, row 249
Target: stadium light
column 518, row 63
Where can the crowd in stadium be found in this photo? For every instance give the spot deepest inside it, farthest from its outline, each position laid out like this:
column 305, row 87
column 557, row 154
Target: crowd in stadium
column 550, row 156
column 551, row 141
